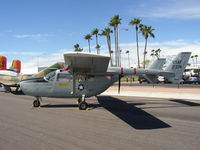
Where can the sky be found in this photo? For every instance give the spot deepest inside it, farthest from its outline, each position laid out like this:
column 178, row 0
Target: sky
column 38, row 32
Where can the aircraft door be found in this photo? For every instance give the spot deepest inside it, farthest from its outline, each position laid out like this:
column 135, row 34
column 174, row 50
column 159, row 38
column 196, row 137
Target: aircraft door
column 63, row 85
column 79, row 86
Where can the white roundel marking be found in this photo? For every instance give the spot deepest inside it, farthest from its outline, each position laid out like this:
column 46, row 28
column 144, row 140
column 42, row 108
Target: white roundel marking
column 81, row 87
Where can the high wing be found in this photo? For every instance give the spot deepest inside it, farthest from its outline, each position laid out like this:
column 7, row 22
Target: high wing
column 86, row 63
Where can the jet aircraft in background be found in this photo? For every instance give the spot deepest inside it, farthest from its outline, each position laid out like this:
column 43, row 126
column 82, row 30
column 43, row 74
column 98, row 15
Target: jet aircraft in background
column 88, row 75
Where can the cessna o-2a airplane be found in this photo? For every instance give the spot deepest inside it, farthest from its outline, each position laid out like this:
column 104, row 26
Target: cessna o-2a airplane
column 88, row 75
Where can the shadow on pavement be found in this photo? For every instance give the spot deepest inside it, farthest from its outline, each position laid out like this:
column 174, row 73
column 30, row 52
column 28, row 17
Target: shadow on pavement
column 58, row 106
column 129, row 113
column 185, row 102
column 17, row 92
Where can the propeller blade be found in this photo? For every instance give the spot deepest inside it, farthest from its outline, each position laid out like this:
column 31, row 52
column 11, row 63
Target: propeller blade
column 119, row 84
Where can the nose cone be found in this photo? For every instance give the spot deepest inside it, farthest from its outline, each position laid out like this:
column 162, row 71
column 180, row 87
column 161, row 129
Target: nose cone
column 24, row 87
column 30, row 86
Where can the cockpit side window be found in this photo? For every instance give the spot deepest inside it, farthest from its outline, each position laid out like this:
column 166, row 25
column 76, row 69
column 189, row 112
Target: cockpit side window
column 64, row 77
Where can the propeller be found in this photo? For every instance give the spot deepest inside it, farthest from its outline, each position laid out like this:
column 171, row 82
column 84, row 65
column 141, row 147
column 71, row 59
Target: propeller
column 119, row 84
column 119, row 79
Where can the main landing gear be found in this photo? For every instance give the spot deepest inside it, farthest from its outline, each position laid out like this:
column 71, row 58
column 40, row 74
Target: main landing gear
column 36, row 103
column 82, row 105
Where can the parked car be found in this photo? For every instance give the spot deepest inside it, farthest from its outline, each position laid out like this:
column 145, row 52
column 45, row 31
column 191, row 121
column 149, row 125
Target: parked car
column 141, row 80
column 194, row 79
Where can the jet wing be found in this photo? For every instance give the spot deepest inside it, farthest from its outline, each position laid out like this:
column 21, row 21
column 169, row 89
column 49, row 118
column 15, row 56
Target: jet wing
column 86, row 63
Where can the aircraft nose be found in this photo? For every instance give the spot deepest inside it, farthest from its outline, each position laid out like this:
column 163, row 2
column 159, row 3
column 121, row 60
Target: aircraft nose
column 23, row 86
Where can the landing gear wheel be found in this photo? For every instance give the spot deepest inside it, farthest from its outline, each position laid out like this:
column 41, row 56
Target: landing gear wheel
column 83, row 106
column 36, row 103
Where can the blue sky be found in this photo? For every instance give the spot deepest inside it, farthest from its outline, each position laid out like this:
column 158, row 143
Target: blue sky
column 45, row 29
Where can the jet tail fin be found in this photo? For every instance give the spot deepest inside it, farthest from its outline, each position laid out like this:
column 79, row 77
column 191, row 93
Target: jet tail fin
column 3, row 63
column 177, row 67
column 16, row 66
column 157, row 64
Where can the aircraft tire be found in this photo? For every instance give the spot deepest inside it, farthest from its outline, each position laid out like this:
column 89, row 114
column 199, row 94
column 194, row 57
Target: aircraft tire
column 83, row 106
column 36, row 103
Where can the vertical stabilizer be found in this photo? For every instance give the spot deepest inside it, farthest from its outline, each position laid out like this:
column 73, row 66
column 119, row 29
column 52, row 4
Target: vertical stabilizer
column 157, row 64
column 177, row 67
column 16, row 66
column 3, row 63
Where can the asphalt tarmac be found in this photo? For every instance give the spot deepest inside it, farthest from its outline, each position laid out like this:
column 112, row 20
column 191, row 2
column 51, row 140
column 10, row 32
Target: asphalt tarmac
column 110, row 123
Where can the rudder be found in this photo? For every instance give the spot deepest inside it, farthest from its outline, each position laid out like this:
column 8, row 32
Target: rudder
column 177, row 66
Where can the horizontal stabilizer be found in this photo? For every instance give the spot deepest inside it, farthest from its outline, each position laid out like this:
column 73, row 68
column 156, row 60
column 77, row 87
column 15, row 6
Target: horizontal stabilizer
column 151, row 78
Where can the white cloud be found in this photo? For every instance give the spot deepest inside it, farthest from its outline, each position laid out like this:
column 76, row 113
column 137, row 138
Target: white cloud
column 21, row 53
column 31, row 66
column 33, row 36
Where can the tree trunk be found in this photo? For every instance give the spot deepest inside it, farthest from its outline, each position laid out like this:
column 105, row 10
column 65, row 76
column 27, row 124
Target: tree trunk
column 89, row 46
column 138, row 55
column 97, row 44
column 145, row 52
column 116, row 52
column 128, row 60
column 196, row 61
column 109, row 49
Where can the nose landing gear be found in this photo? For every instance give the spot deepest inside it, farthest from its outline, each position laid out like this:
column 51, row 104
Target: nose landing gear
column 36, row 103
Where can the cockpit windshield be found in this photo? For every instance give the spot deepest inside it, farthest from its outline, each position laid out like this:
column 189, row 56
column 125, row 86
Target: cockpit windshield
column 50, row 76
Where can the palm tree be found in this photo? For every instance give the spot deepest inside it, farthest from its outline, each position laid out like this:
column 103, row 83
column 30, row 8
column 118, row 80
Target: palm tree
column 192, row 58
column 77, row 48
column 114, row 22
column 88, row 37
column 153, row 53
column 98, row 48
column 196, row 58
column 147, row 31
column 136, row 22
column 156, row 53
column 106, row 32
column 127, row 52
column 111, row 54
column 95, row 32
column 120, row 54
